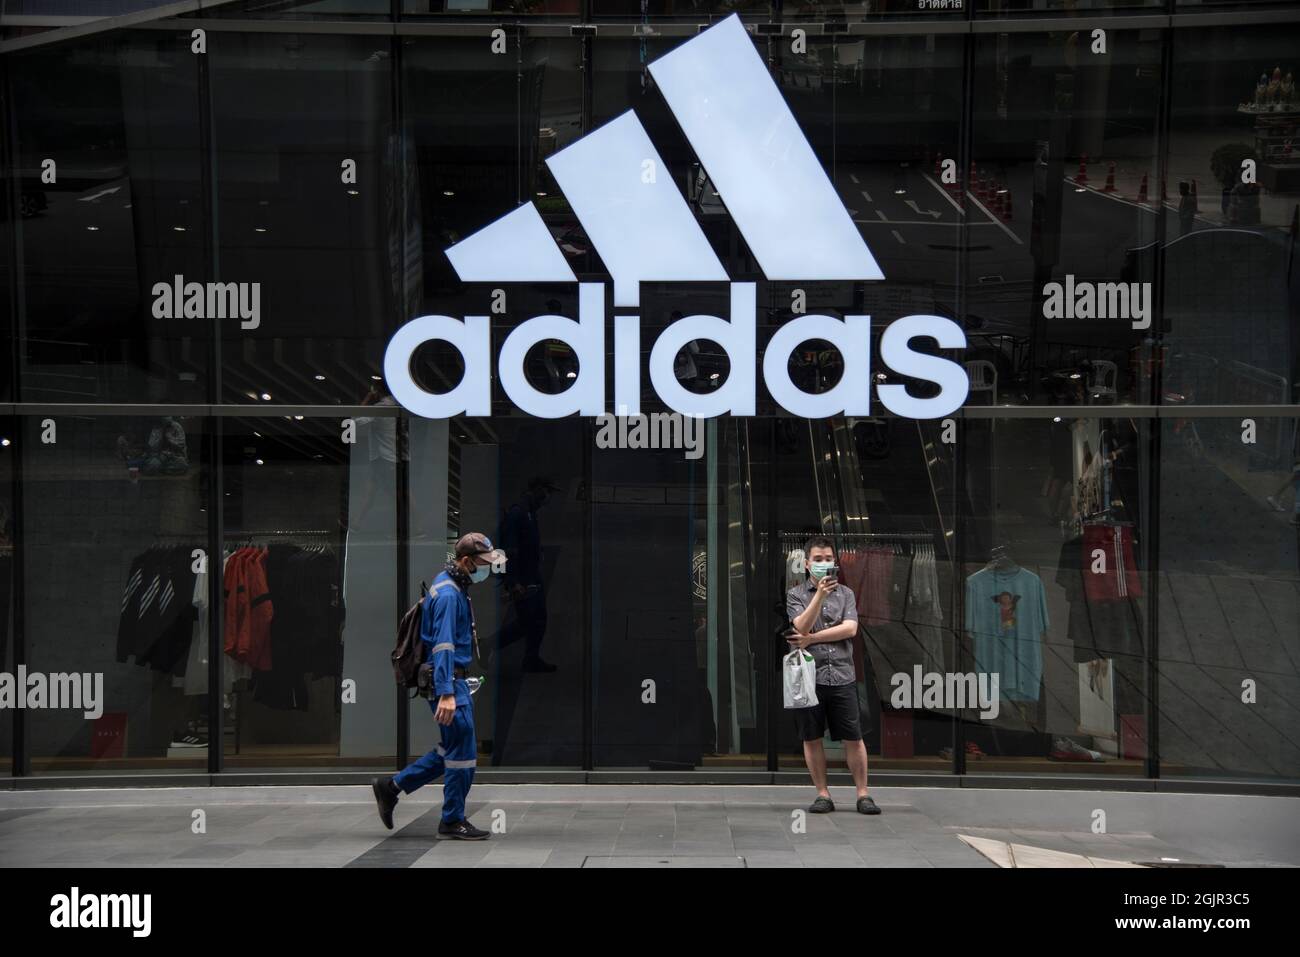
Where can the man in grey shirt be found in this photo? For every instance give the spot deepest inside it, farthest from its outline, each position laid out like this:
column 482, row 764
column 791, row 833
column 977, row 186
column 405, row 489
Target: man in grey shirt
column 824, row 615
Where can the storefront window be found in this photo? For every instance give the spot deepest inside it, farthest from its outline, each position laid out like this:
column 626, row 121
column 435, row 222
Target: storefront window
column 310, row 528
column 1056, row 585
column 1230, row 225
column 109, row 206
column 116, row 590
column 308, row 214
column 1229, row 579
column 1063, row 218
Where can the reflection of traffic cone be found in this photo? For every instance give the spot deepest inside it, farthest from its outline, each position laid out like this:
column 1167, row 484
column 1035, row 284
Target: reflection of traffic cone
column 1142, row 189
column 1081, row 177
column 1110, row 179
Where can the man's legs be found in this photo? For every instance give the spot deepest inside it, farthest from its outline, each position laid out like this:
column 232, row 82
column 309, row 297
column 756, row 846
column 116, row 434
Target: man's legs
column 855, row 752
column 814, row 755
column 460, row 747
column 428, row 768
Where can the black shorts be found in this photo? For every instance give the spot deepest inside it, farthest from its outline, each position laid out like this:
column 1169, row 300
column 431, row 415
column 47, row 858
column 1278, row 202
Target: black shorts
column 836, row 709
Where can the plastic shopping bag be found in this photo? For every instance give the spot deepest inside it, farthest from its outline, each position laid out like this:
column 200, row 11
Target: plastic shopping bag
column 799, row 676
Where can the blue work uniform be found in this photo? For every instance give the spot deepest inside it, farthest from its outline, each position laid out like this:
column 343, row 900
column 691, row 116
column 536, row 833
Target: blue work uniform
column 447, row 629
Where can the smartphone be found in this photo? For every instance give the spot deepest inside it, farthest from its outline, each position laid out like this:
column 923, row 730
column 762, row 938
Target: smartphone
column 834, row 573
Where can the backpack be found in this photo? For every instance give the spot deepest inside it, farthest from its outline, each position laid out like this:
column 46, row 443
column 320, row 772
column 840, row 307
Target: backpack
column 408, row 654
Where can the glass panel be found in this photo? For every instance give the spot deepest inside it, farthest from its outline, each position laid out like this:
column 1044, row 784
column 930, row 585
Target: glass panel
column 881, row 490
column 1056, row 587
column 1063, row 218
column 114, row 583
column 462, row 168
column 8, row 449
column 308, row 214
column 112, row 204
column 310, row 539
column 1229, row 597
column 679, row 680
column 1230, row 306
column 521, row 481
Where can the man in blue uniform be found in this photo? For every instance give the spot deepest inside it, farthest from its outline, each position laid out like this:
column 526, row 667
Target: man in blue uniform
column 447, row 629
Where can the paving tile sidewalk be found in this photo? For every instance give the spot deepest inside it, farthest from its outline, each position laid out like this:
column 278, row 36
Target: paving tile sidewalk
column 611, row 826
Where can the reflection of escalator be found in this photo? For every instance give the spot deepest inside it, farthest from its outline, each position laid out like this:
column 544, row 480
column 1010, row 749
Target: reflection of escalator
column 881, row 475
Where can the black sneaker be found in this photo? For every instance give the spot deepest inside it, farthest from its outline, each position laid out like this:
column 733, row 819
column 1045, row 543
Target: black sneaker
column 867, row 806
column 461, row 830
column 823, row 805
column 386, row 798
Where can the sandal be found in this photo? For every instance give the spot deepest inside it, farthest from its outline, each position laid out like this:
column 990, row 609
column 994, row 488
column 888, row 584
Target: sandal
column 823, row 805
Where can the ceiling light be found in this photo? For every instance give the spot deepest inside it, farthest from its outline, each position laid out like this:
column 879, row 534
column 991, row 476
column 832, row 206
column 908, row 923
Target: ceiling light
column 178, row 229
column 260, row 462
column 266, row 397
column 320, row 378
column 93, row 229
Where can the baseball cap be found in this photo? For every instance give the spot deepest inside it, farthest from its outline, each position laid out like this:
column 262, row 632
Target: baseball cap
column 476, row 543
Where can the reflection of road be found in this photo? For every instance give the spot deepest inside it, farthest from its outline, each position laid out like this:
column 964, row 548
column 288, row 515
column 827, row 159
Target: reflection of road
column 1212, row 525
column 911, row 223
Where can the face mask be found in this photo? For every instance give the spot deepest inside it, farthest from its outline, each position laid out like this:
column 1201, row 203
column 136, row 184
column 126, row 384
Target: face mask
column 819, row 569
column 480, row 573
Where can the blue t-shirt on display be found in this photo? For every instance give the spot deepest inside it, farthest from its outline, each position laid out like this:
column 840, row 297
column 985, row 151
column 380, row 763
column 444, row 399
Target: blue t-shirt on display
column 1006, row 615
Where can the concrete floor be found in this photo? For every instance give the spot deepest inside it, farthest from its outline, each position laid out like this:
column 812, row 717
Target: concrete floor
column 631, row 826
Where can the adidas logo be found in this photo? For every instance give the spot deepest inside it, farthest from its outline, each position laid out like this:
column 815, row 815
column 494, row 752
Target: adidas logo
column 721, row 94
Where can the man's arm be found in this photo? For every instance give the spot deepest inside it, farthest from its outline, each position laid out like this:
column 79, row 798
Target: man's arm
column 845, row 629
column 804, row 620
column 436, row 628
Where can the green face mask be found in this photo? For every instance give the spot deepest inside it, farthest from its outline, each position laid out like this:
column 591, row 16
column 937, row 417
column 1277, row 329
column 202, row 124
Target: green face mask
column 820, row 569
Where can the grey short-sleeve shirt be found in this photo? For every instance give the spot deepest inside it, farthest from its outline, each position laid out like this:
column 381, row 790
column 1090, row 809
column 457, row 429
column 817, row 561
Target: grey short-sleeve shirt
column 834, row 658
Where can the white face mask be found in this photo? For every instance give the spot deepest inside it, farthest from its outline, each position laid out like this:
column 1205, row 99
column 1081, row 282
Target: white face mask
column 819, row 569
column 480, row 573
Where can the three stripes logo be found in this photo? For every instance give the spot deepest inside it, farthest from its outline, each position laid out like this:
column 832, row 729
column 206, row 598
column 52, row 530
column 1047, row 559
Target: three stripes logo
column 784, row 205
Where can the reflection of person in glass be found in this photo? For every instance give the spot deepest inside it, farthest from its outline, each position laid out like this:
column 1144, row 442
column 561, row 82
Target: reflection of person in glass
column 521, row 539
column 824, row 615
column 447, row 628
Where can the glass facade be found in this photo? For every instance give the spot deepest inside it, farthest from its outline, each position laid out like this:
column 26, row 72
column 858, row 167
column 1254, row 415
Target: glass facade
column 210, row 498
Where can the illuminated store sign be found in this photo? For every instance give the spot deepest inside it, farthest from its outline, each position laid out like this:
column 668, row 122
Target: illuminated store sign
column 784, row 205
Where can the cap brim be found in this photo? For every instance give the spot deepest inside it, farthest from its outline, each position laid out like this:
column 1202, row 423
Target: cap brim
column 494, row 556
